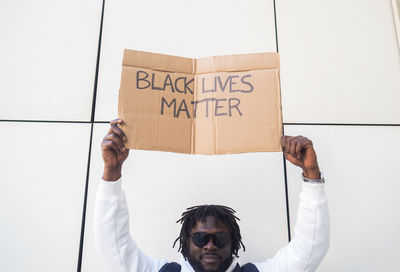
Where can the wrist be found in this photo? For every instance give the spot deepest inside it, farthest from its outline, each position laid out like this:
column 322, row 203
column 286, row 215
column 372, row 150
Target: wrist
column 312, row 173
column 111, row 173
column 321, row 180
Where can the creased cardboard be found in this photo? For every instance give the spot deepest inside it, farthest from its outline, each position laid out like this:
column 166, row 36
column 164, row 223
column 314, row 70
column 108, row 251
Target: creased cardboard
column 213, row 105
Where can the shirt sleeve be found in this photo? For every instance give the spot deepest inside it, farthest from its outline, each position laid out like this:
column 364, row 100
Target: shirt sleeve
column 311, row 235
column 111, row 230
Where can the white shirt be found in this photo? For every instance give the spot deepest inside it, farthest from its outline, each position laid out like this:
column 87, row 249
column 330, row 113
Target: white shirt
column 121, row 254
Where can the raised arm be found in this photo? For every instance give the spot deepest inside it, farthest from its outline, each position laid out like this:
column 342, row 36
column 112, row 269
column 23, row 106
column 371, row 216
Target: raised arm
column 311, row 233
column 111, row 221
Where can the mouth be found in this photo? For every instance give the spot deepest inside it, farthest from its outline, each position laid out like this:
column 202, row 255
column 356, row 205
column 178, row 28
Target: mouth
column 210, row 258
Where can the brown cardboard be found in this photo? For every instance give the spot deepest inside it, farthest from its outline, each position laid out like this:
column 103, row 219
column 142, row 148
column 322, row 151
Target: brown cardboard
column 163, row 101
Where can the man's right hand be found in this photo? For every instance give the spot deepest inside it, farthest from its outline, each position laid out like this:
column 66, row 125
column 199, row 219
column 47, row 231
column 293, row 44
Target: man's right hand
column 113, row 151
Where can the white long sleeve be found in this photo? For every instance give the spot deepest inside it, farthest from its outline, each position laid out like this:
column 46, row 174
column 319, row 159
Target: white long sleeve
column 311, row 235
column 121, row 254
column 111, row 230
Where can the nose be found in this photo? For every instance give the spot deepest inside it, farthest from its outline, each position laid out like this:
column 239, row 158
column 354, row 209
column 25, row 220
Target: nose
column 210, row 244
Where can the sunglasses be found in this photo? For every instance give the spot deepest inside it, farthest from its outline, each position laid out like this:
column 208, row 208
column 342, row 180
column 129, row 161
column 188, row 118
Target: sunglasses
column 220, row 239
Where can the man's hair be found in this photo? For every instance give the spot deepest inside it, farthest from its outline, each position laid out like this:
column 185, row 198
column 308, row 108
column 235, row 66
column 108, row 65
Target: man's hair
column 196, row 214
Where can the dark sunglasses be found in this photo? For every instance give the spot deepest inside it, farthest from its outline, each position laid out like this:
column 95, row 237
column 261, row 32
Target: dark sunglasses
column 220, row 239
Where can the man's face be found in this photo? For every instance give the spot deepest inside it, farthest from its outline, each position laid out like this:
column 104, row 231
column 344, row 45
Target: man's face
column 210, row 257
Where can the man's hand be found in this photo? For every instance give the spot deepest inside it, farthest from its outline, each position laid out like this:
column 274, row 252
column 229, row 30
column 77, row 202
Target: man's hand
column 113, row 151
column 299, row 150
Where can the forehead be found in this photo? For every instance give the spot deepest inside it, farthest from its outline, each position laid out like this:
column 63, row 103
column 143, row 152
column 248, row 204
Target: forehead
column 211, row 225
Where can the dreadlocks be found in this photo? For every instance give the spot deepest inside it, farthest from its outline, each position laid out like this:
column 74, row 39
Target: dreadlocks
column 196, row 214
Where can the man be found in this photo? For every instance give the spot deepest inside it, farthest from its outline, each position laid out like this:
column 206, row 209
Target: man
column 210, row 237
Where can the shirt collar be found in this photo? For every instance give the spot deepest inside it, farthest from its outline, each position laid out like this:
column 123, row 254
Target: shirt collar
column 187, row 267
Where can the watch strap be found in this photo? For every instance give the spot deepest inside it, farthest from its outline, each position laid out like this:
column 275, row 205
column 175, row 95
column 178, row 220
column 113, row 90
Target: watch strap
column 316, row 181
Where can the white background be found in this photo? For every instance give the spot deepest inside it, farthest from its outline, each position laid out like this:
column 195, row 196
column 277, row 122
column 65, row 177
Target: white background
column 340, row 79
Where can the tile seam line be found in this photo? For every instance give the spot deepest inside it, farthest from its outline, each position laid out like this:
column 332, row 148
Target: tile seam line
column 45, row 121
column 286, row 124
column 83, row 219
column 283, row 133
column 92, row 122
column 342, row 124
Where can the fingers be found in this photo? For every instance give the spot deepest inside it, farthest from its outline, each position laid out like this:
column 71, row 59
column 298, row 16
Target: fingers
column 298, row 150
column 110, row 145
column 294, row 146
column 115, row 137
column 286, row 148
column 114, row 129
column 289, row 146
column 116, row 122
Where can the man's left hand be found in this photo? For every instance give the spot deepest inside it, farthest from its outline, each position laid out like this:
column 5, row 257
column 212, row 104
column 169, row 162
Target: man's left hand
column 299, row 151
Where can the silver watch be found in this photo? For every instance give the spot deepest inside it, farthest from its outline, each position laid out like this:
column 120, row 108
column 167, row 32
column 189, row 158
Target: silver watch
column 317, row 181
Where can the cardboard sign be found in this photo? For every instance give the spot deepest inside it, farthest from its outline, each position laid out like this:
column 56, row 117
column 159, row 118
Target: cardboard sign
column 214, row 105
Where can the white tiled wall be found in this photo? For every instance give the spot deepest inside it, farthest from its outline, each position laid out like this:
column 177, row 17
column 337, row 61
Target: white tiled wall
column 360, row 165
column 43, row 173
column 340, row 61
column 48, row 55
column 339, row 64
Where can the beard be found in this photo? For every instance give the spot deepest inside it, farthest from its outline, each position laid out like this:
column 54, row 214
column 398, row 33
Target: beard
column 198, row 267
